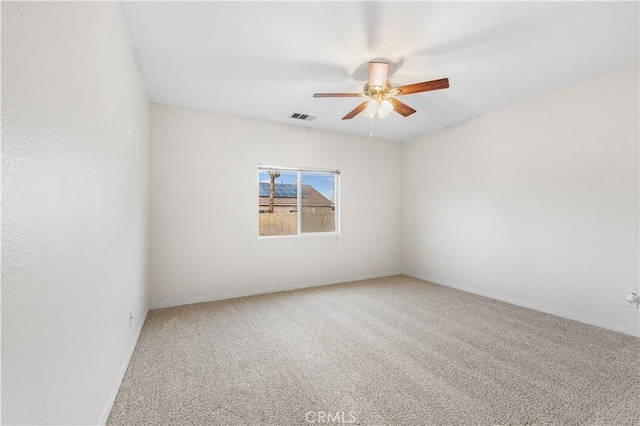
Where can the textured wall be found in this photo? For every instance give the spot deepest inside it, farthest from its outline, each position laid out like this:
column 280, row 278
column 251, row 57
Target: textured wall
column 204, row 212
column 536, row 202
column 75, row 120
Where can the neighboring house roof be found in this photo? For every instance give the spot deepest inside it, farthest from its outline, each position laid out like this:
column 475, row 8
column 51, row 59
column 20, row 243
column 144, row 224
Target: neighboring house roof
column 287, row 193
column 279, row 201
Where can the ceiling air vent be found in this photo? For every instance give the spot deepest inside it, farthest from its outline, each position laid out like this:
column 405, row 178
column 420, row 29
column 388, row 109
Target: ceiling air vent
column 298, row 116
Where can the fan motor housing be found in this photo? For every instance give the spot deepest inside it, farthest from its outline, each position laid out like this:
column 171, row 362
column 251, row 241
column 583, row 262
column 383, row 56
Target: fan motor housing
column 379, row 94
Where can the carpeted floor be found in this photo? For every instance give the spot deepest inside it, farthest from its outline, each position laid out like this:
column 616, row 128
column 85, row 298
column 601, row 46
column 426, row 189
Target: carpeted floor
column 389, row 351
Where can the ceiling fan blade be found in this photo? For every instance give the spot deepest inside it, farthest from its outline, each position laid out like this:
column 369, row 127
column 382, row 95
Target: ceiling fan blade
column 357, row 110
column 378, row 74
column 336, row 95
column 401, row 108
column 426, row 86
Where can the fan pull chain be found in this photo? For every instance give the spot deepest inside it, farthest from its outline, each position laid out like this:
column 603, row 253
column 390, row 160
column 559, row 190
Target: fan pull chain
column 371, row 127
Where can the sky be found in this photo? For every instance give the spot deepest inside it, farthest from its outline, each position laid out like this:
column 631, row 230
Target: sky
column 323, row 183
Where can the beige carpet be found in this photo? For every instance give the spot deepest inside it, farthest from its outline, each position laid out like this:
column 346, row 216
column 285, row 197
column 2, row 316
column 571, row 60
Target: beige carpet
column 390, row 351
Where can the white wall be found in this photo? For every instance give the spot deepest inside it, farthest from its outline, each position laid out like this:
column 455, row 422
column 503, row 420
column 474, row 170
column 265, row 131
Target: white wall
column 75, row 130
column 204, row 219
column 535, row 203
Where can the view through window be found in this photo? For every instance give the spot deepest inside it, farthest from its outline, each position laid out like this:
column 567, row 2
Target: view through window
column 294, row 202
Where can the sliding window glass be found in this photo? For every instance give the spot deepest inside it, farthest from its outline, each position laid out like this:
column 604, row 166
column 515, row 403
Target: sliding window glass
column 297, row 201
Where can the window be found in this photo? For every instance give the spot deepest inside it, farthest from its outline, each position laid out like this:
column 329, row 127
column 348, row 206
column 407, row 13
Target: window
column 297, row 201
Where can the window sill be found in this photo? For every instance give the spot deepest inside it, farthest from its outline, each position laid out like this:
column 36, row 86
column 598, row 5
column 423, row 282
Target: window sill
column 305, row 235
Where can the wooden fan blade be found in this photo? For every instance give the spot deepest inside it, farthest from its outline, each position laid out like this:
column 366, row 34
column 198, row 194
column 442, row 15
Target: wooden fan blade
column 336, row 95
column 357, row 110
column 401, row 108
column 426, row 86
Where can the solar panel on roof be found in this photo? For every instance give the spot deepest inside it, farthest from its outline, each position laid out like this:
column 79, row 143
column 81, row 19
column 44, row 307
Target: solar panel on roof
column 285, row 190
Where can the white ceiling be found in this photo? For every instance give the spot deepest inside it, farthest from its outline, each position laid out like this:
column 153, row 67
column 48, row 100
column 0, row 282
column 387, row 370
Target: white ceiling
column 266, row 59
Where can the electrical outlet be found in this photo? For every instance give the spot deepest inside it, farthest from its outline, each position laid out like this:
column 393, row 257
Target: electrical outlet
column 304, row 266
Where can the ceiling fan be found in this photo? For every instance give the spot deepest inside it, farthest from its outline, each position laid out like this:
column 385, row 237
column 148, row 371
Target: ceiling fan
column 379, row 92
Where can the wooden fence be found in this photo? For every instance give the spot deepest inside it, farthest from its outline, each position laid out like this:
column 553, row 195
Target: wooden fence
column 287, row 223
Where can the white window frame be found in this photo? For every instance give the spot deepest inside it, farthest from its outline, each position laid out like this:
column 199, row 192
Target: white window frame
column 300, row 171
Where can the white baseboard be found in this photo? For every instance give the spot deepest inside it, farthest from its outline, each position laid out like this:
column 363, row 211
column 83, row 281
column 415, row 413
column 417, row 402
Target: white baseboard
column 536, row 306
column 123, row 369
column 262, row 290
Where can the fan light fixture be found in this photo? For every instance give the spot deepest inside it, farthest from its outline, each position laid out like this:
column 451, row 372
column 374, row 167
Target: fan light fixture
column 381, row 108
